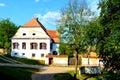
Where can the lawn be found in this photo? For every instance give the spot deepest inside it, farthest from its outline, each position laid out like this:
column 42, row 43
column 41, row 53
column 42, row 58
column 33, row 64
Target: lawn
column 27, row 61
column 63, row 76
column 13, row 73
column 69, row 76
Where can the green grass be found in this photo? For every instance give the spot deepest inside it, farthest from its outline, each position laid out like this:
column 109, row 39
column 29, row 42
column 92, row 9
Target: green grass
column 63, row 76
column 13, row 73
column 28, row 61
column 2, row 61
column 69, row 76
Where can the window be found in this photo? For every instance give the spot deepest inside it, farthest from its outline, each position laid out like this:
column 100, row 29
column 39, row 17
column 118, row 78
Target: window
column 33, row 34
column 15, row 53
column 15, row 45
column 23, row 53
column 24, row 34
column 23, row 45
column 42, row 55
column 33, row 54
column 33, row 45
column 43, row 45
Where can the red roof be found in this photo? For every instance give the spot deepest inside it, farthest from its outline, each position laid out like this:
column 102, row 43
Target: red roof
column 35, row 23
column 54, row 35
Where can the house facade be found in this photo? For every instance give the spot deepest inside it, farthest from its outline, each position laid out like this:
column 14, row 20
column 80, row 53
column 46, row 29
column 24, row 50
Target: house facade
column 32, row 40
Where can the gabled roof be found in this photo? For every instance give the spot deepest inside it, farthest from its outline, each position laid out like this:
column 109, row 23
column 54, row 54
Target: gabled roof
column 54, row 35
column 33, row 23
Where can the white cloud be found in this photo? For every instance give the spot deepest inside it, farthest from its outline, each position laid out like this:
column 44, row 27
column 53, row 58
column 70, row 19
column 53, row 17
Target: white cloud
column 48, row 19
column 2, row 4
column 36, row 0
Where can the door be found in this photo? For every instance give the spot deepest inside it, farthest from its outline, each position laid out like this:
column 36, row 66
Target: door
column 50, row 61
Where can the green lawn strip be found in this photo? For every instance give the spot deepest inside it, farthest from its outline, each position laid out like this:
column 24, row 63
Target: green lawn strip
column 107, row 75
column 13, row 73
column 69, row 76
column 27, row 61
column 63, row 76
column 3, row 61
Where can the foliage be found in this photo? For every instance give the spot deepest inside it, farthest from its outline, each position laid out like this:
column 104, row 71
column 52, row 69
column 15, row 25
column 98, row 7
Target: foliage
column 7, row 30
column 74, row 18
column 104, row 33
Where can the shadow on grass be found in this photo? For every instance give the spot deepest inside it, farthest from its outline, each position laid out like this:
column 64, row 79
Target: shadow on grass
column 43, row 77
column 89, row 76
column 13, row 73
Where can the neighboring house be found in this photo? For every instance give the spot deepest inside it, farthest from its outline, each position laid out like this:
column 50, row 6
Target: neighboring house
column 32, row 40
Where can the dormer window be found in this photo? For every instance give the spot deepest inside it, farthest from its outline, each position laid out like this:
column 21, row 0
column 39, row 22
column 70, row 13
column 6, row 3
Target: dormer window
column 24, row 34
column 33, row 34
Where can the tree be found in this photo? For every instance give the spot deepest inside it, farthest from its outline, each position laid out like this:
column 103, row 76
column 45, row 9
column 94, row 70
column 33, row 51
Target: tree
column 74, row 17
column 104, row 33
column 110, row 44
column 7, row 30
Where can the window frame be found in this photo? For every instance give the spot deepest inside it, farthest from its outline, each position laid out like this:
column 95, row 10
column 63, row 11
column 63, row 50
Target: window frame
column 33, row 54
column 24, row 34
column 24, row 45
column 33, row 45
column 43, row 45
column 33, row 34
column 15, row 45
column 42, row 55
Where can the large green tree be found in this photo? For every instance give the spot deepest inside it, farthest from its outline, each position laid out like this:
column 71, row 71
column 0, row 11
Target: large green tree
column 7, row 30
column 110, row 37
column 74, row 17
column 104, row 33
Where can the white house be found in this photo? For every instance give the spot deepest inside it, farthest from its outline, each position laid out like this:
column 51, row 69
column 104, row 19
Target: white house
column 32, row 40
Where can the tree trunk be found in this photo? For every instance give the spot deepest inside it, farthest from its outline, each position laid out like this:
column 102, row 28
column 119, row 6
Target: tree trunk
column 76, row 65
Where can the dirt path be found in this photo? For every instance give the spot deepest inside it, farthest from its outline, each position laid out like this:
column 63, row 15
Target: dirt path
column 47, row 73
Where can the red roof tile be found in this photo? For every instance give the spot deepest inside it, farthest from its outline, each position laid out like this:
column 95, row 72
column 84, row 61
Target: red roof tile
column 35, row 23
column 54, row 35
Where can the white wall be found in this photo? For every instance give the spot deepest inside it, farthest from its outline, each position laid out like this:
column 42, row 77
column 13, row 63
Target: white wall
column 60, row 61
column 40, row 33
column 39, row 37
column 28, row 52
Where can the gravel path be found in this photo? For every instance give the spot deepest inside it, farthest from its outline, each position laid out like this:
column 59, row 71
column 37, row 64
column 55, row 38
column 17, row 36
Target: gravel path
column 47, row 73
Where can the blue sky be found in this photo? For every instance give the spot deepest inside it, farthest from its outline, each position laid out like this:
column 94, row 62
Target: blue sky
column 21, row 11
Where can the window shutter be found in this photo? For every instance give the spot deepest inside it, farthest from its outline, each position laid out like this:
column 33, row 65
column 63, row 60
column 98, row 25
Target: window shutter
column 30, row 45
column 36, row 45
column 13, row 45
column 40, row 45
column 45, row 45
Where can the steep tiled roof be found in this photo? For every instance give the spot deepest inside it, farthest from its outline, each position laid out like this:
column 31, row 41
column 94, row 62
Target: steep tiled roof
column 33, row 23
column 54, row 35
